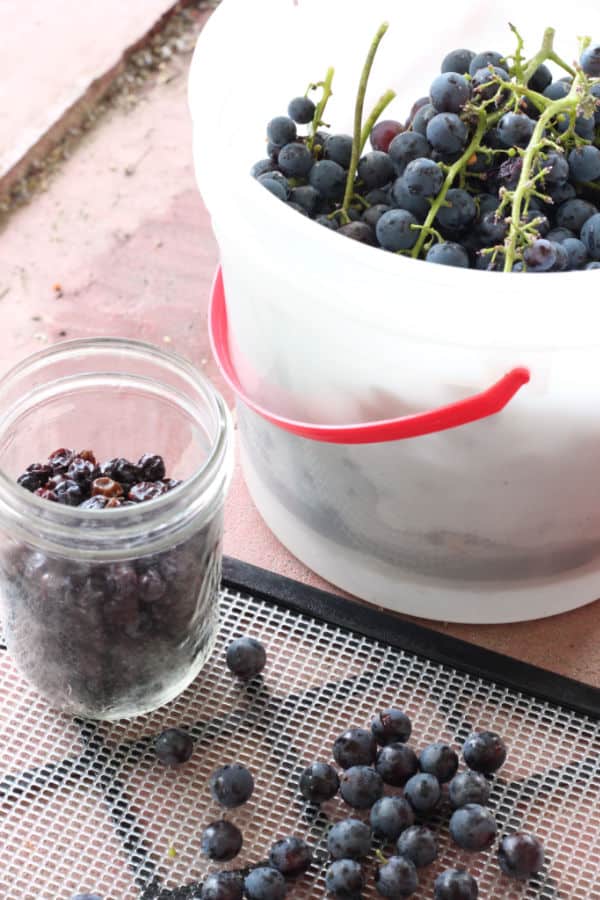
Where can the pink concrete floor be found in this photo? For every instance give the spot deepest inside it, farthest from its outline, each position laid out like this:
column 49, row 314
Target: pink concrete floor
column 122, row 231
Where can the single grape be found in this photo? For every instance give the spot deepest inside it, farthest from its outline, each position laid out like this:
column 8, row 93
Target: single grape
column 355, row 747
column 584, row 125
column 221, row 840
column 359, row 231
column 395, row 230
column 372, row 215
column 590, row 236
column 412, row 203
column 540, row 257
column 417, row 105
column 557, row 90
column 231, row 785
column 295, row 160
column 484, row 751
column 349, row 839
column 562, row 258
column 520, row 855
column 540, row 79
column 485, row 83
column 419, row 844
column 576, row 251
column 361, row 787
column 483, row 60
column 301, row 110
column 558, row 235
column 458, row 61
column 584, row 163
column 515, row 129
column 440, row 760
column 291, row 856
column 422, row 118
column 262, row 167
column 306, row 197
column 396, row 878
column 326, row 222
column 448, row 253
column 345, row 879
column 383, row 133
column 469, row 787
column 265, row 883
column 491, row 229
column 222, row 886
column 573, row 214
column 590, row 61
column 455, row 884
column 449, row 92
column 408, row 146
column 281, row 131
column 174, row 746
column 423, row 177
column 379, row 195
column 274, row 186
column 458, row 210
column 556, row 166
column 396, row 763
column 423, row 792
column 319, row 783
column 339, row 149
column 487, row 203
column 391, row 726
column 561, row 193
column 246, row 657
column 375, row 169
column 390, row 816
column 473, row 827
column 328, row 178
column 447, row 133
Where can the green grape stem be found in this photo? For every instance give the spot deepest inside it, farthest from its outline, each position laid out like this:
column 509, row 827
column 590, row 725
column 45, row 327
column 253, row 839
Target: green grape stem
column 524, row 184
column 358, row 115
column 320, row 109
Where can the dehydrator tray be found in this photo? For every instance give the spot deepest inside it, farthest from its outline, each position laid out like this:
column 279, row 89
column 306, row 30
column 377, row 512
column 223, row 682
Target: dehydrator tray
column 87, row 807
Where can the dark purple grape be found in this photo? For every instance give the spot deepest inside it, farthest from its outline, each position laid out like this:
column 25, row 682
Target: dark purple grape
column 447, row 133
column 423, row 792
column 448, row 253
column 281, row 131
column 246, row 657
column 590, row 236
column 319, row 783
column 473, row 827
column 520, row 855
column 440, row 760
column 328, row 178
column 458, row 210
column 174, row 747
column 326, row 222
column 458, row 61
column 291, row 856
column 361, row 787
column 396, row 878
column 375, row 170
column 483, row 60
column 372, row 215
column 221, row 840
column 408, row 146
column 449, row 92
column 557, row 90
column 396, row 763
column 231, row 785
column 418, row 844
column 295, row 160
column 576, row 252
column 345, row 879
column 274, row 186
column 590, row 61
column 584, row 163
column 484, row 751
column 222, row 886
column 469, row 787
column 557, row 168
column 307, row 197
column 301, row 110
column 383, row 133
column 338, row 149
column 349, row 839
column 491, row 229
column 485, row 83
column 391, row 726
column 540, row 79
column 455, row 884
column 423, row 177
column 390, row 816
column 359, row 231
column 412, row 203
column 423, row 117
column 265, row 883
column 515, row 129
column 262, row 167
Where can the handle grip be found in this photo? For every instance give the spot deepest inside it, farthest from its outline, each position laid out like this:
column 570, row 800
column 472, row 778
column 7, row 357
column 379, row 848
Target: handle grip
column 478, row 406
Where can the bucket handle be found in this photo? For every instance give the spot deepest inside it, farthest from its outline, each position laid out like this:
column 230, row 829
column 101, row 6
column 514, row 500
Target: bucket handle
column 478, row 406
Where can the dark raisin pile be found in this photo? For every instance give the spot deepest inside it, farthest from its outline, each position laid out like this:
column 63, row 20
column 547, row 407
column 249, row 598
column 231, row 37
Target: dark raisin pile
column 77, row 479
column 107, row 638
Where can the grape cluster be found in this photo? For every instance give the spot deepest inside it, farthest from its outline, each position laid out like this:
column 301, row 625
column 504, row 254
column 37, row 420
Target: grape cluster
column 498, row 168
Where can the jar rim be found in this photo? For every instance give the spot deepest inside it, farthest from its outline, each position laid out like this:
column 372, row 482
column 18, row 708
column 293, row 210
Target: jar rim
column 74, row 531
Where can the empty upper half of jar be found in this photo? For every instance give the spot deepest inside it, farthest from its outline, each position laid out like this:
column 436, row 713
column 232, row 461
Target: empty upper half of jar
column 118, row 398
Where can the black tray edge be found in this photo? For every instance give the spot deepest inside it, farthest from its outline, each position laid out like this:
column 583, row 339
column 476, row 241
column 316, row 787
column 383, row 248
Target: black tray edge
column 425, row 642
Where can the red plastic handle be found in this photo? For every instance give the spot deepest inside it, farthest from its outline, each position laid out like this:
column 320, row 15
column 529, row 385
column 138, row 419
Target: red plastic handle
column 479, row 406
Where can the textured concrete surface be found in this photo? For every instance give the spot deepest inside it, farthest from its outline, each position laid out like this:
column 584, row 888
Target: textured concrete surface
column 121, row 244
column 57, row 59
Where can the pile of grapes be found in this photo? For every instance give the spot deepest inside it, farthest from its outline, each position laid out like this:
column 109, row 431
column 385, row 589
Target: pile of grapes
column 498, row 168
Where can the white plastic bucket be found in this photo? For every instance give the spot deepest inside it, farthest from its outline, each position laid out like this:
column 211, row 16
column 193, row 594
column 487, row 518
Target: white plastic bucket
column 497, row 520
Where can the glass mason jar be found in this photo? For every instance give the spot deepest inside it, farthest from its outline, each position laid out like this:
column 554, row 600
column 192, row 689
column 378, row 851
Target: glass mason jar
column 111, row 613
